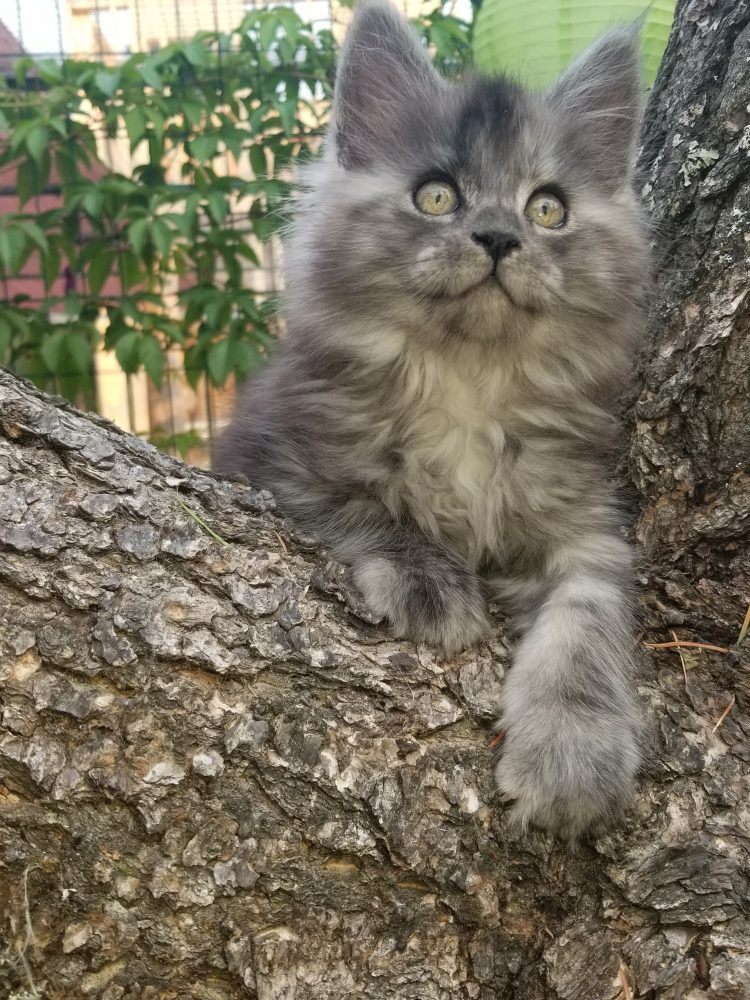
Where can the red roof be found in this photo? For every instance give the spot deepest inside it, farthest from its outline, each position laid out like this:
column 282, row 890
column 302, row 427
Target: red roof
column 10, row 49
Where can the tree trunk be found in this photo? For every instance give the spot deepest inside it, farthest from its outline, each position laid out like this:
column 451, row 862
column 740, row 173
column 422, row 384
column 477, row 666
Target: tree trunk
column 220, row 780
column 691, row 448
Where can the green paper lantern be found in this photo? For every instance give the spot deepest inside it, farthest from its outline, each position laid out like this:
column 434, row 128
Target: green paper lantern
column 534, row 40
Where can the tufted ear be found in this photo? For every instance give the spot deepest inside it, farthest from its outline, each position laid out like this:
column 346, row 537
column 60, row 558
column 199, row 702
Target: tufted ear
column 602, row 91
column 384, row 80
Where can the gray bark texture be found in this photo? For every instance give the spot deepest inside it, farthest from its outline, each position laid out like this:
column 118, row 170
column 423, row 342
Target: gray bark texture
column 220, row 780
column 691, row 447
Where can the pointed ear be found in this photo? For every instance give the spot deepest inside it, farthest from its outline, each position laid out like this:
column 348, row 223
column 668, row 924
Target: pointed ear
column 603, row 92
column 384, row 80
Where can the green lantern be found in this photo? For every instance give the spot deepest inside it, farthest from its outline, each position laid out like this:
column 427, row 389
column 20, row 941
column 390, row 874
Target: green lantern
column 534, row 40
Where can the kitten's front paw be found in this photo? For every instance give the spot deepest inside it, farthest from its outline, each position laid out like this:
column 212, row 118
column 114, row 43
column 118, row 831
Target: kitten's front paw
column 567, row 772
column 440, row 603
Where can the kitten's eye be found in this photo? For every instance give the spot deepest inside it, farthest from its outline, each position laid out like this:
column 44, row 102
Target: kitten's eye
column 436, row 198
column 546, row 210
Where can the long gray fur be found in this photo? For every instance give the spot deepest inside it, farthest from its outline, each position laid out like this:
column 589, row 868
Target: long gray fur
column 445, row 428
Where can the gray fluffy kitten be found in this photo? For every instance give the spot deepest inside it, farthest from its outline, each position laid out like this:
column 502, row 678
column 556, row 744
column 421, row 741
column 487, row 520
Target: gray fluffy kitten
column 466, row 284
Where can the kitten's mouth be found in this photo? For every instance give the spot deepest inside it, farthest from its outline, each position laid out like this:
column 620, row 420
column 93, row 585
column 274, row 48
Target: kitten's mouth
column 492, row 280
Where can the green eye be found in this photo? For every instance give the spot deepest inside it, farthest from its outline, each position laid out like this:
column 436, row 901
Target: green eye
column 436, row 198
column 546, row 210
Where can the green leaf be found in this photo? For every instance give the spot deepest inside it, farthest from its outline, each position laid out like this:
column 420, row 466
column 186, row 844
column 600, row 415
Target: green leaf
column 99, row 270
column 217, row 361
column 258, row 159
column 37, row 142
column 197, row 53
column 151, row 357
column 19, row 133
column 185, row 221
column 130, row 269
column 150, row 75
column 138, row 234
column 164, row 55
column 127, row 351
column 21, row 68
column 31, row 179
column 52, row 350
column 203, row 147
column 11, row 249
column 234, row 140
column 92, row 202
column 268, row 27
column 50, row 72
column 265, row 227
column 26, row 186
column 108, row 81
column 135, row 125
column 58, row 124
column 232, row 266
column 291, row 22
column 287, row 112
column 157, row 122
column 51, row 267
column 217, row 206
column 218, row 310
column 161, row 237
column 247, row 358
column 6, row 337
column 195, row 364
column 193, row 112
column 79, row 352
column 33, row 233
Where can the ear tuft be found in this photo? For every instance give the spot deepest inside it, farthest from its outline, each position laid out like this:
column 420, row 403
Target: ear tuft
column 604, row 90
column 383, row 78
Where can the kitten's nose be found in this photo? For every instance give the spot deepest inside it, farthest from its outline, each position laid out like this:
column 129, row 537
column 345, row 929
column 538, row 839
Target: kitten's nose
column 497, row 243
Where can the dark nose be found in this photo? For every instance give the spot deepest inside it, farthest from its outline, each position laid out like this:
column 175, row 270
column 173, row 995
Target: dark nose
column 497, row 243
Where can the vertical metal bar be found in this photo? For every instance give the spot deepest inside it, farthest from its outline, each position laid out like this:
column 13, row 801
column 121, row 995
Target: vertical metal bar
column 173, row 428
column 60, row 36
column 131, row 404
column 20, row 25
column 98, row 21
column 139, row 47
column 209, row 417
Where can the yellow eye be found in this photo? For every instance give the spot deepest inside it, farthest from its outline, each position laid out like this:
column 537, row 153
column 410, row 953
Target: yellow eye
column 546, row 210
column 436, row 198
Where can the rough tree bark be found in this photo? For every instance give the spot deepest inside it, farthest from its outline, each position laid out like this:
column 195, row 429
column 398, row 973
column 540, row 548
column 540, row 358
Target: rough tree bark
column 691, row 446
column 219, row 780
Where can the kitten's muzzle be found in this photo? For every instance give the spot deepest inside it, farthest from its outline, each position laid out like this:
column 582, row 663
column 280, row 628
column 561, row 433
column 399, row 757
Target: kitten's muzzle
column 497, row 243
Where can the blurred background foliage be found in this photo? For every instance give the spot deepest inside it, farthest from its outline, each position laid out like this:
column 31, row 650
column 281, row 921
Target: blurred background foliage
column 179, row 228
column 142, row 192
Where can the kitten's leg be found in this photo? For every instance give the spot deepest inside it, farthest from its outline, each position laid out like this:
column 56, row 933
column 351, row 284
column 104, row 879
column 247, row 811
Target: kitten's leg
column 570, row 715
column 427, row 592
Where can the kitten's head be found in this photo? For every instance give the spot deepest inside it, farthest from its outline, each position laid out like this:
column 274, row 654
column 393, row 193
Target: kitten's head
column 472, row 210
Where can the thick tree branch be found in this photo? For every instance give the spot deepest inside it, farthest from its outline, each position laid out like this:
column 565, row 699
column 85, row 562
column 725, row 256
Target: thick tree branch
column 219, row 781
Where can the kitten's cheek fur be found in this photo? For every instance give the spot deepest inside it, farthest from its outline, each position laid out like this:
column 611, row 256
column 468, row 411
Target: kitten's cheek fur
column 566, row 771
column 441, row 606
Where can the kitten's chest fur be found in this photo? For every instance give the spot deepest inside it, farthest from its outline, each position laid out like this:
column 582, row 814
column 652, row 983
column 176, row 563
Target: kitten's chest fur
column 454, row 452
